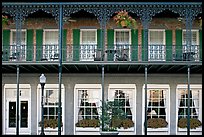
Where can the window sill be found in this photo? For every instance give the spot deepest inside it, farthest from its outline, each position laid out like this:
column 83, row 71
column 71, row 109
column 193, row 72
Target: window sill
column 157, row 129
column 126, row 130
column 199, row 129
column 87, row 129
column 97, row 129
column 48, row 129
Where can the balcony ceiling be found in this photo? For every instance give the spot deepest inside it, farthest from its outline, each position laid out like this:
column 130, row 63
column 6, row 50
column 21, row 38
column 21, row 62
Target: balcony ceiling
column 85, row 67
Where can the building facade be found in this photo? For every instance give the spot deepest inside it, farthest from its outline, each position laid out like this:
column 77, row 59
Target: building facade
column 87, row 59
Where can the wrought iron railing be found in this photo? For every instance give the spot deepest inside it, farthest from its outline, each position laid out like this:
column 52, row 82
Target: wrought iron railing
column 110, row 53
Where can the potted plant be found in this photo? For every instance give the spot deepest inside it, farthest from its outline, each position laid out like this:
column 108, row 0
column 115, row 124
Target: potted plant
column 122, row 19
column 111, row 118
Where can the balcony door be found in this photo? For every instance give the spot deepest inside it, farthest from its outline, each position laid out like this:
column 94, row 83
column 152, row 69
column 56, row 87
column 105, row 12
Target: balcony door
column 122, row 45
column 88, row 44
column 50, row 45
column 11, row 111
column 18, row 50
column 156, row 46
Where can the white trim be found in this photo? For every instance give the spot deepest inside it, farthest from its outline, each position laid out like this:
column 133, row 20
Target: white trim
column 11, row 35
column 157, row 86
column 164, row 36
column 122, row 30
column 50, row 87
column 192, row 86
column 84, row 87
column 45, row 30
column 5, row 108
column 94, row 30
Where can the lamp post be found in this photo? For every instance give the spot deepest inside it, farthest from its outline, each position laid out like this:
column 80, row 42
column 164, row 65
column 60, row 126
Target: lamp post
column 42, row 82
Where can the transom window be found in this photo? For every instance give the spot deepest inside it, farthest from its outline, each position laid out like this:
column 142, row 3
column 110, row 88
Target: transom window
column 18, row 50
column 156, row 45
column 88, row 44
column 51, row 48
column 122, row 44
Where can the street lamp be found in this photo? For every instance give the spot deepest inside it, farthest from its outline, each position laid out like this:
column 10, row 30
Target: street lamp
column 42, row 82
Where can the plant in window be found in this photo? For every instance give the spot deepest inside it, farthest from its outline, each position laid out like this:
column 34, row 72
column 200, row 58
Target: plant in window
column 194, row 123
column 156, row 115
column 88, row 113
column 183, row 111
column 156, row 123
column 52, row 123
column 122, row 19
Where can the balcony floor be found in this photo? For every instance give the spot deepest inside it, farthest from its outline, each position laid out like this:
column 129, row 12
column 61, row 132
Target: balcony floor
column 109, row 67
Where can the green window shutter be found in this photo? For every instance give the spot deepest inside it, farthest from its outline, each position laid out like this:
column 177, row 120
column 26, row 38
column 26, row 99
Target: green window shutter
column 29, row 46
column 76, row 44
column 168, row 45
column 99, row 39
column 39, row 44
column 200, row 43
column 110, row 39
column 6, row 45
column 134, row 54
column 64, row 46
column 143, row 47
column 179, row 44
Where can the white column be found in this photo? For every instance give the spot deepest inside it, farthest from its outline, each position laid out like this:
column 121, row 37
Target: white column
column 69, row 109
column 173, row 109
column 139, row 123
column 34, row 109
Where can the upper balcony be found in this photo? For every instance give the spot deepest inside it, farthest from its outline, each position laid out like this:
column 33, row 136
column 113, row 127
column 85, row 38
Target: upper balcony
column 41, row 27
column 91, row 53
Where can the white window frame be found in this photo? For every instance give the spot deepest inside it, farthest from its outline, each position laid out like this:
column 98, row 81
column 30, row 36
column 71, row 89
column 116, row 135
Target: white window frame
column 194, row 49
column 12, row 44
column 155, row 87
column 164, row 48
column 5, row 105
column 50, row 54
column 77, row 87
column 39, row 97
column 92, row 48
column 192, row 86
column 132, row 87
column 124, row 47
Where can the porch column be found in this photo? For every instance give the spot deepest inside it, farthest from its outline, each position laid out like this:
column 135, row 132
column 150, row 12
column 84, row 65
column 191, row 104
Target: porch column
column 69, row 109
column 139, row 123
column 34, row 108
column 173, row 109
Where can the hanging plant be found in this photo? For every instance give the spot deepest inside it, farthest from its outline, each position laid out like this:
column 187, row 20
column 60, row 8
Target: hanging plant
column 122, row 19
column 5, row 20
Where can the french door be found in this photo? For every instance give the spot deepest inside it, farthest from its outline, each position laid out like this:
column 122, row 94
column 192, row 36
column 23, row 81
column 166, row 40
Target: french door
column 11, row 111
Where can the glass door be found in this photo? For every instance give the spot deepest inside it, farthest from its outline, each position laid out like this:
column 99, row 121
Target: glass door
column 11, row 117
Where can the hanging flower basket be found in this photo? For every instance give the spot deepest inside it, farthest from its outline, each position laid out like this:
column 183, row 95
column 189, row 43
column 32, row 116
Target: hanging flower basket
column 5, row 20
column 122, row 19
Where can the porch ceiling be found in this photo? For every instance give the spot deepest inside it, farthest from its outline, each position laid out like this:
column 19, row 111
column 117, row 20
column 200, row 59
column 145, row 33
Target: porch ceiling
column 108, row 68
